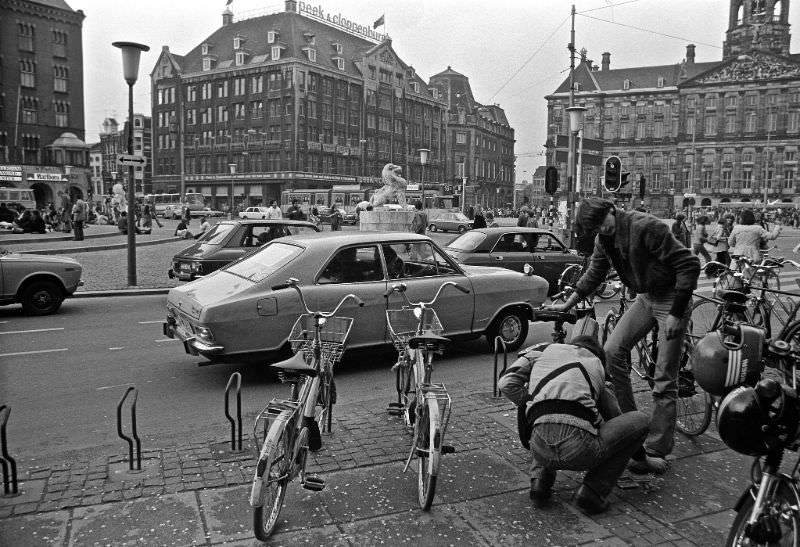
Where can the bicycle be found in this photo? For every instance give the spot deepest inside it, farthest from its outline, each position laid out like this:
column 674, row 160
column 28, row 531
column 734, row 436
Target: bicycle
column 571, row 274
column 584, row 311
column 318, row 339
column 416, row 333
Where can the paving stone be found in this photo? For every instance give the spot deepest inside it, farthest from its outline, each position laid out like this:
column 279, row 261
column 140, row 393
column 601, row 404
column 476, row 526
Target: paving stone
column 43, row 529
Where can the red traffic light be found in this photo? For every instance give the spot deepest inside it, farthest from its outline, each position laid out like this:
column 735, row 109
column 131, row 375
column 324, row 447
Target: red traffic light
column 613, row 174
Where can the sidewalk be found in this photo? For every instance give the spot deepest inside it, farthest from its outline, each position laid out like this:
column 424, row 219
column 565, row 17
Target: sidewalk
column 196, row 493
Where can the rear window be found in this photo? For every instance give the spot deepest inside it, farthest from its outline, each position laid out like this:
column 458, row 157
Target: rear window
column 264, row 262
column 217, row 234
column 468, row 241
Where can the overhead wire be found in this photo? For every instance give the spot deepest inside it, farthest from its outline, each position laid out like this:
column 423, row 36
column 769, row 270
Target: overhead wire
column 583, row 14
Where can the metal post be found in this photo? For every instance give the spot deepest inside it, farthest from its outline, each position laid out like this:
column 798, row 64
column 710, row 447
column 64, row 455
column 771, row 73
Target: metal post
column 232, row 167
column 571, row 135
column 463, row 193
column 131, row 197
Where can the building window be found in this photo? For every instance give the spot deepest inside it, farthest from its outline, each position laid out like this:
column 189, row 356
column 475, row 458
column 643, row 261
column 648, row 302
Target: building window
column 710, row 125
column 257, row 110
column 415, row 87
column 60, row 78
column 794, row 121
column 658, row 130
column 711, row 102
column 240, row 57
column 205, row 91
column 275, row 53
column 25, row 35
column 222, row 114
column 690, row 126
column 59, row 43
column 27, row 73
column 789, row 155
column 204, row 49
column 62, row 114
column 660, row 82
column 750, row 122
column 257, row 84
column 312, row 54
column 727, row 178
column 340, row 63
column 640, row 130
column 747, row 179
column 30, row 109
column 751, row 99
column 239, row 111
column 788, row 179
column 731, row 101
column 707, row 178
column 222, row 89
column 239, row 86
column 626, row 84
column 271, row 36
column 206, row 64
column 730, row 122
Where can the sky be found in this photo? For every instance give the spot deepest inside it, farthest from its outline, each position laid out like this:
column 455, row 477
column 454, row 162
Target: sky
column 514, row 52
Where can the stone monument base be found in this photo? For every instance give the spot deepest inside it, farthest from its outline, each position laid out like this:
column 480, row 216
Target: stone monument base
column 386, row 220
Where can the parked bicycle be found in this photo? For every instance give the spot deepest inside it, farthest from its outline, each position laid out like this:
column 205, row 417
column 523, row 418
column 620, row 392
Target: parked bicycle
column 318, row 339
column 425, row 406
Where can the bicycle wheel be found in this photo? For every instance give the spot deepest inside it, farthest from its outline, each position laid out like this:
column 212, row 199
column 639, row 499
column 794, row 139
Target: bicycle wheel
column 429, row 446
column 694, row 405
column 644, row 363
column 779, row 508
column 704, row 319
column 271, row 478
column 325, row 400
column 569, row 277
column 609, row 323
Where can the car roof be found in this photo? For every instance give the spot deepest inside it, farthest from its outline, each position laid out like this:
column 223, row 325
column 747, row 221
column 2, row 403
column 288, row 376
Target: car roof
column 506, row 229
column 355, row 238
column 260, row 222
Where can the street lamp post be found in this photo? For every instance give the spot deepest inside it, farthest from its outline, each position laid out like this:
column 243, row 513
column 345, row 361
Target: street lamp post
column 575, row 122
column 363, row 143
column 131, row 52
column 423, row 159
column 233, row 172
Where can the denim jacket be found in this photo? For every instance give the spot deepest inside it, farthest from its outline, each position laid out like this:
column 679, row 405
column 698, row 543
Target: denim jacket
column 648, row 259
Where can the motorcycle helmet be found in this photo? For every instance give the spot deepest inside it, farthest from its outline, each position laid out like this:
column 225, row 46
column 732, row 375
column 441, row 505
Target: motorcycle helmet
column 754, row 424
column 719, row 364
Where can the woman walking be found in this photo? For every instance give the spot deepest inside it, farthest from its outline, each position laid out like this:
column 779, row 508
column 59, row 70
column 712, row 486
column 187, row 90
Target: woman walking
column 700, row 237
column 745, row 238
column 719, row 238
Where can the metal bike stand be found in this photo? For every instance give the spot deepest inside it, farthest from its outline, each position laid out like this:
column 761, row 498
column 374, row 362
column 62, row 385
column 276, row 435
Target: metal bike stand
column 498, row 343
column 10, row 485
column 235, row 425
column 134, row 434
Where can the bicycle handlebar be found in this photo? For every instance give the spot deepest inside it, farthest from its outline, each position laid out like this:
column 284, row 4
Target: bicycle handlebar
column 402, row 287
column 294, row 284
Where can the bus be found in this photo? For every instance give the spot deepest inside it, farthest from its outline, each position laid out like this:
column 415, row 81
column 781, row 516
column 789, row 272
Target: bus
column 193, row 200
column 13, row 197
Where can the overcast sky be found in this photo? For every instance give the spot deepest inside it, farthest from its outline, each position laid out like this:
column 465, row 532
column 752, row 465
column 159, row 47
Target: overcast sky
column 513, row 51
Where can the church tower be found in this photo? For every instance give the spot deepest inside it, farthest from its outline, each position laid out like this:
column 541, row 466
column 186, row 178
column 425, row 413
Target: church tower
column 757, row 25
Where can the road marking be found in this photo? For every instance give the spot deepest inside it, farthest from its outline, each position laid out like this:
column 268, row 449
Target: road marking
column 32, row 330
column 110, row 387
column 116, row 349
column 167, row 340
column 150, row 322
column 32, row 352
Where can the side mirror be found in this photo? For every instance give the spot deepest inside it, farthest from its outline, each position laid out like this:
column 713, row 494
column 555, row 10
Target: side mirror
column 527, row 269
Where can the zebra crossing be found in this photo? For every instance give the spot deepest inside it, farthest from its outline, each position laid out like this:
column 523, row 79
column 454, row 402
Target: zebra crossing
column 788, row 283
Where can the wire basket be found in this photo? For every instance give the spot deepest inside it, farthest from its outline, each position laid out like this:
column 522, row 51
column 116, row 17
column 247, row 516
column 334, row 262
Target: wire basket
column 333, row 336
column 403, row 324
column 782, row 306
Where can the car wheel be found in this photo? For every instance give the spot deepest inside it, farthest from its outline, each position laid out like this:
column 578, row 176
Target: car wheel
column 41, row 298
column 510, row 325
column 462, row 229
column 432, row 228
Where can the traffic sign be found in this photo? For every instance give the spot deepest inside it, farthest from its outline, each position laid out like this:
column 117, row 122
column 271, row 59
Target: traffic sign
column 690, row 195
column 130, row 159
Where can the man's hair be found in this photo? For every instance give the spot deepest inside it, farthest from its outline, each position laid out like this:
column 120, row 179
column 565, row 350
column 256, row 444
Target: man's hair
column 418, row 205
column 748, row 217
column 591, row 213
column 590, row 343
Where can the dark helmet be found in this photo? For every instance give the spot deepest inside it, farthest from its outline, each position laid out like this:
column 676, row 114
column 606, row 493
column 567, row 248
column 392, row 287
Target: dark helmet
column 719, row 364
column 753, row 421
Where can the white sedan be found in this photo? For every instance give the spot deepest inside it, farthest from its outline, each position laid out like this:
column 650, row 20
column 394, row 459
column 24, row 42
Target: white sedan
column 258, row 213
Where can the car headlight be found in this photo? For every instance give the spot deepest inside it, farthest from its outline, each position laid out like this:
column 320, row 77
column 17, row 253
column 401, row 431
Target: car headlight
column 203, row 334
column 197, row 267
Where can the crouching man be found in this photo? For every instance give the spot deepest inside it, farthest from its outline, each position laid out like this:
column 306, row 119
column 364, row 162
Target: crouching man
column 570, row 419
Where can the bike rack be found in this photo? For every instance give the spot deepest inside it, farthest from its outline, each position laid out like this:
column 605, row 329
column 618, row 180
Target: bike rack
column 238, row 422
column 6, row 461
column 499, row 342
column 135, row 436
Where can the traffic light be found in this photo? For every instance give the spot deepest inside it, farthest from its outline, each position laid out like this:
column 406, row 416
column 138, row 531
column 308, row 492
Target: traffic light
column 551, row 180
column 642, row 186
column 613, row 174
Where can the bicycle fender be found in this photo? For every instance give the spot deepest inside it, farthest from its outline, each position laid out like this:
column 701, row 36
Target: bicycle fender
column 749, row 492
column 272, row 437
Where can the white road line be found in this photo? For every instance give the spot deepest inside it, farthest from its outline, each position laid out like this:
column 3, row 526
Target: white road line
column 30, row 331
column 115, row 349
column 167, row 340
column 32, row 352
column 150, row 322
column 110, row 387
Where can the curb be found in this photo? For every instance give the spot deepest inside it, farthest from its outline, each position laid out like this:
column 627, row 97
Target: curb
column 99, row 247
column 119, row 292
column 24, row 241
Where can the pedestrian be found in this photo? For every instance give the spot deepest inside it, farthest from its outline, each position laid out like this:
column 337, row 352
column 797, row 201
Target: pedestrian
column 79, row 214
column 745, row 239
column 490, row 222
column 479, row 221
column 295, row 212
column 182, row 230
column 569, row 418
column 522, row 219
column 336, row 218
column 719, row 239
column 313, row 216
column 205, row 226
column 700, row 238
column 187, row 215
column 680, row 231
column 37, row 225
column 663, row 273
column 420, row 221
column 273, row 211
column 122, row 225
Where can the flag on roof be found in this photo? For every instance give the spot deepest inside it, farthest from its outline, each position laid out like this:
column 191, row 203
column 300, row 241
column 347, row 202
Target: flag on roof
column 379, row 22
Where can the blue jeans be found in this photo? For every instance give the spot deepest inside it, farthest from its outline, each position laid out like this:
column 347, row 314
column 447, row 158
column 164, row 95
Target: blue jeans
column 645, row 312
column 604, row 455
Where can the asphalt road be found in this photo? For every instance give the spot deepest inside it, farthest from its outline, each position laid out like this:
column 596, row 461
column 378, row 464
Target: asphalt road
column 64, row 375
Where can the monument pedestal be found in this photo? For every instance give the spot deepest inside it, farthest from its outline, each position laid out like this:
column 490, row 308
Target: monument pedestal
column 386, row 220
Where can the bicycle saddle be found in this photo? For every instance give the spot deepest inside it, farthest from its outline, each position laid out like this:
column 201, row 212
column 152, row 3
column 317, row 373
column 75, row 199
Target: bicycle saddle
column 427, row 338
column 558, row 316
column 296, row 364
column 732, row 297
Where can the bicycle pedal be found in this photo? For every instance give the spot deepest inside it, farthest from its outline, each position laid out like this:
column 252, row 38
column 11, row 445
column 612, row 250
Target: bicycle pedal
column 315, row 484
column 448, row 449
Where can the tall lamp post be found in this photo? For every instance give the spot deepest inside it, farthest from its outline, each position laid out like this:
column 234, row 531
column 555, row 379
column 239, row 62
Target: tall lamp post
column 575, row 123
column 363, row 143
column 423, row 159
column 232, row 167
column 131, row 52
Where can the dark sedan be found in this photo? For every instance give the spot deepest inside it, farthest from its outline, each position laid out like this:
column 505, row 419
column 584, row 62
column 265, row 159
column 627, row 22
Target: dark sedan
column 512, row 247
column 229, row 240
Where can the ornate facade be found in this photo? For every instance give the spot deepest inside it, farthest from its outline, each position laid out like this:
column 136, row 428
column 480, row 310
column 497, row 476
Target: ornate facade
column 700, row 133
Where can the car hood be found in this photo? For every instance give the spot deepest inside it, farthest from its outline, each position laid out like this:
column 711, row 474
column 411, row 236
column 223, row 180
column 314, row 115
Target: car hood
column 196, row 250
column 40, row 259
column 483, row 270
column 201, row 293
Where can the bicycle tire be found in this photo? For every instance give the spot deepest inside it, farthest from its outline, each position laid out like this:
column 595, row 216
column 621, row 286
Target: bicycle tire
column 609, row 323
column 324, row 414
column 429, row 443
column 569, row 276
column 781, row 503
column 274, row 477
column 704, row 318
column 694, row 405
column 644, row 365
column 791, row 336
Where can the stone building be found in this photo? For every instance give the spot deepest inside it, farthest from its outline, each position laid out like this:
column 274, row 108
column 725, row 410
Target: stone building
column 703, row 133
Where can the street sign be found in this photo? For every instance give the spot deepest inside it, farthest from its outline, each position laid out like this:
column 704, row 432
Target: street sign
column 690, row 195
column 130, row 159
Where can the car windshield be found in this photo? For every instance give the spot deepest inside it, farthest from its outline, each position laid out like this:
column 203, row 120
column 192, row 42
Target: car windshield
column 467, row 242
column 264, row 262
column 218, row 233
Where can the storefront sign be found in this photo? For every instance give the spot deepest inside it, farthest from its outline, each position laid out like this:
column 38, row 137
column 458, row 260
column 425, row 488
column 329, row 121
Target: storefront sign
column 12, row 173
column 317, row 12
column 46, row 177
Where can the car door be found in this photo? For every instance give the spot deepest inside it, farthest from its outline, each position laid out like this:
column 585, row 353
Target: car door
column 550, row 257
column 424, row 268
column 235, row 246
column 512, row 250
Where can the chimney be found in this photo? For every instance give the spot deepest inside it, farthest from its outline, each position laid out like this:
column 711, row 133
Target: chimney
column 291, row 5
column 606, row 62
column 690, row 54
column 227, row 17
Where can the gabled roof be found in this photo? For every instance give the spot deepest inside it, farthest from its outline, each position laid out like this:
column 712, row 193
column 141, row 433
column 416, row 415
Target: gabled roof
column 540, row 172
column 60, row 4
column 494, row 113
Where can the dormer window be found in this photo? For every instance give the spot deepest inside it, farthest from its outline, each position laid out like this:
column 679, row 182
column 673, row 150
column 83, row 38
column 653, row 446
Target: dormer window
column 272, row 36
column 206, row 63
column 204, row 49
column 434, row 92
column 660, row 82
column 415, row 87
column 626, row 84
column 238, row 41
column 275, row 53
column 241, row 57
column 337, row 47
column 311, row 53
column 339, row 62
column 310, row 38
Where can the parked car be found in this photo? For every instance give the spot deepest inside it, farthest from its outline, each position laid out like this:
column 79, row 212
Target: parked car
column 228, row 240
column 512, row 247
column 205, row 212
column 172, row 211
column 448, row 221
column 39, row 282
column 254, row 212
column 350, row 218
column 244, row 312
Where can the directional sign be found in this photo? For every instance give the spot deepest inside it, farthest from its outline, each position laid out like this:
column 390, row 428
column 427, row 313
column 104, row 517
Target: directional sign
column 130, row 159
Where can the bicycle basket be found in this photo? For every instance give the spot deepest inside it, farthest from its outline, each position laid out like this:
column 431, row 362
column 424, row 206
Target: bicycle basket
column 782, row 307
column 403, row 324
column 333, row 336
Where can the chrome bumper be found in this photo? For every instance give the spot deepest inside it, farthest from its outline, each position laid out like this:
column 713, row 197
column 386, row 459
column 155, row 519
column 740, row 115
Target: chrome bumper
column 191, row 344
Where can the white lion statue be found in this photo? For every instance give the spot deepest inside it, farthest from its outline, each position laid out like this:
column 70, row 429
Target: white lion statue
column 394, row 185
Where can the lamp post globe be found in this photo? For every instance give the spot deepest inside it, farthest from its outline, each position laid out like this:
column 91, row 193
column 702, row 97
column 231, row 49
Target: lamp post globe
column 423, row 159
